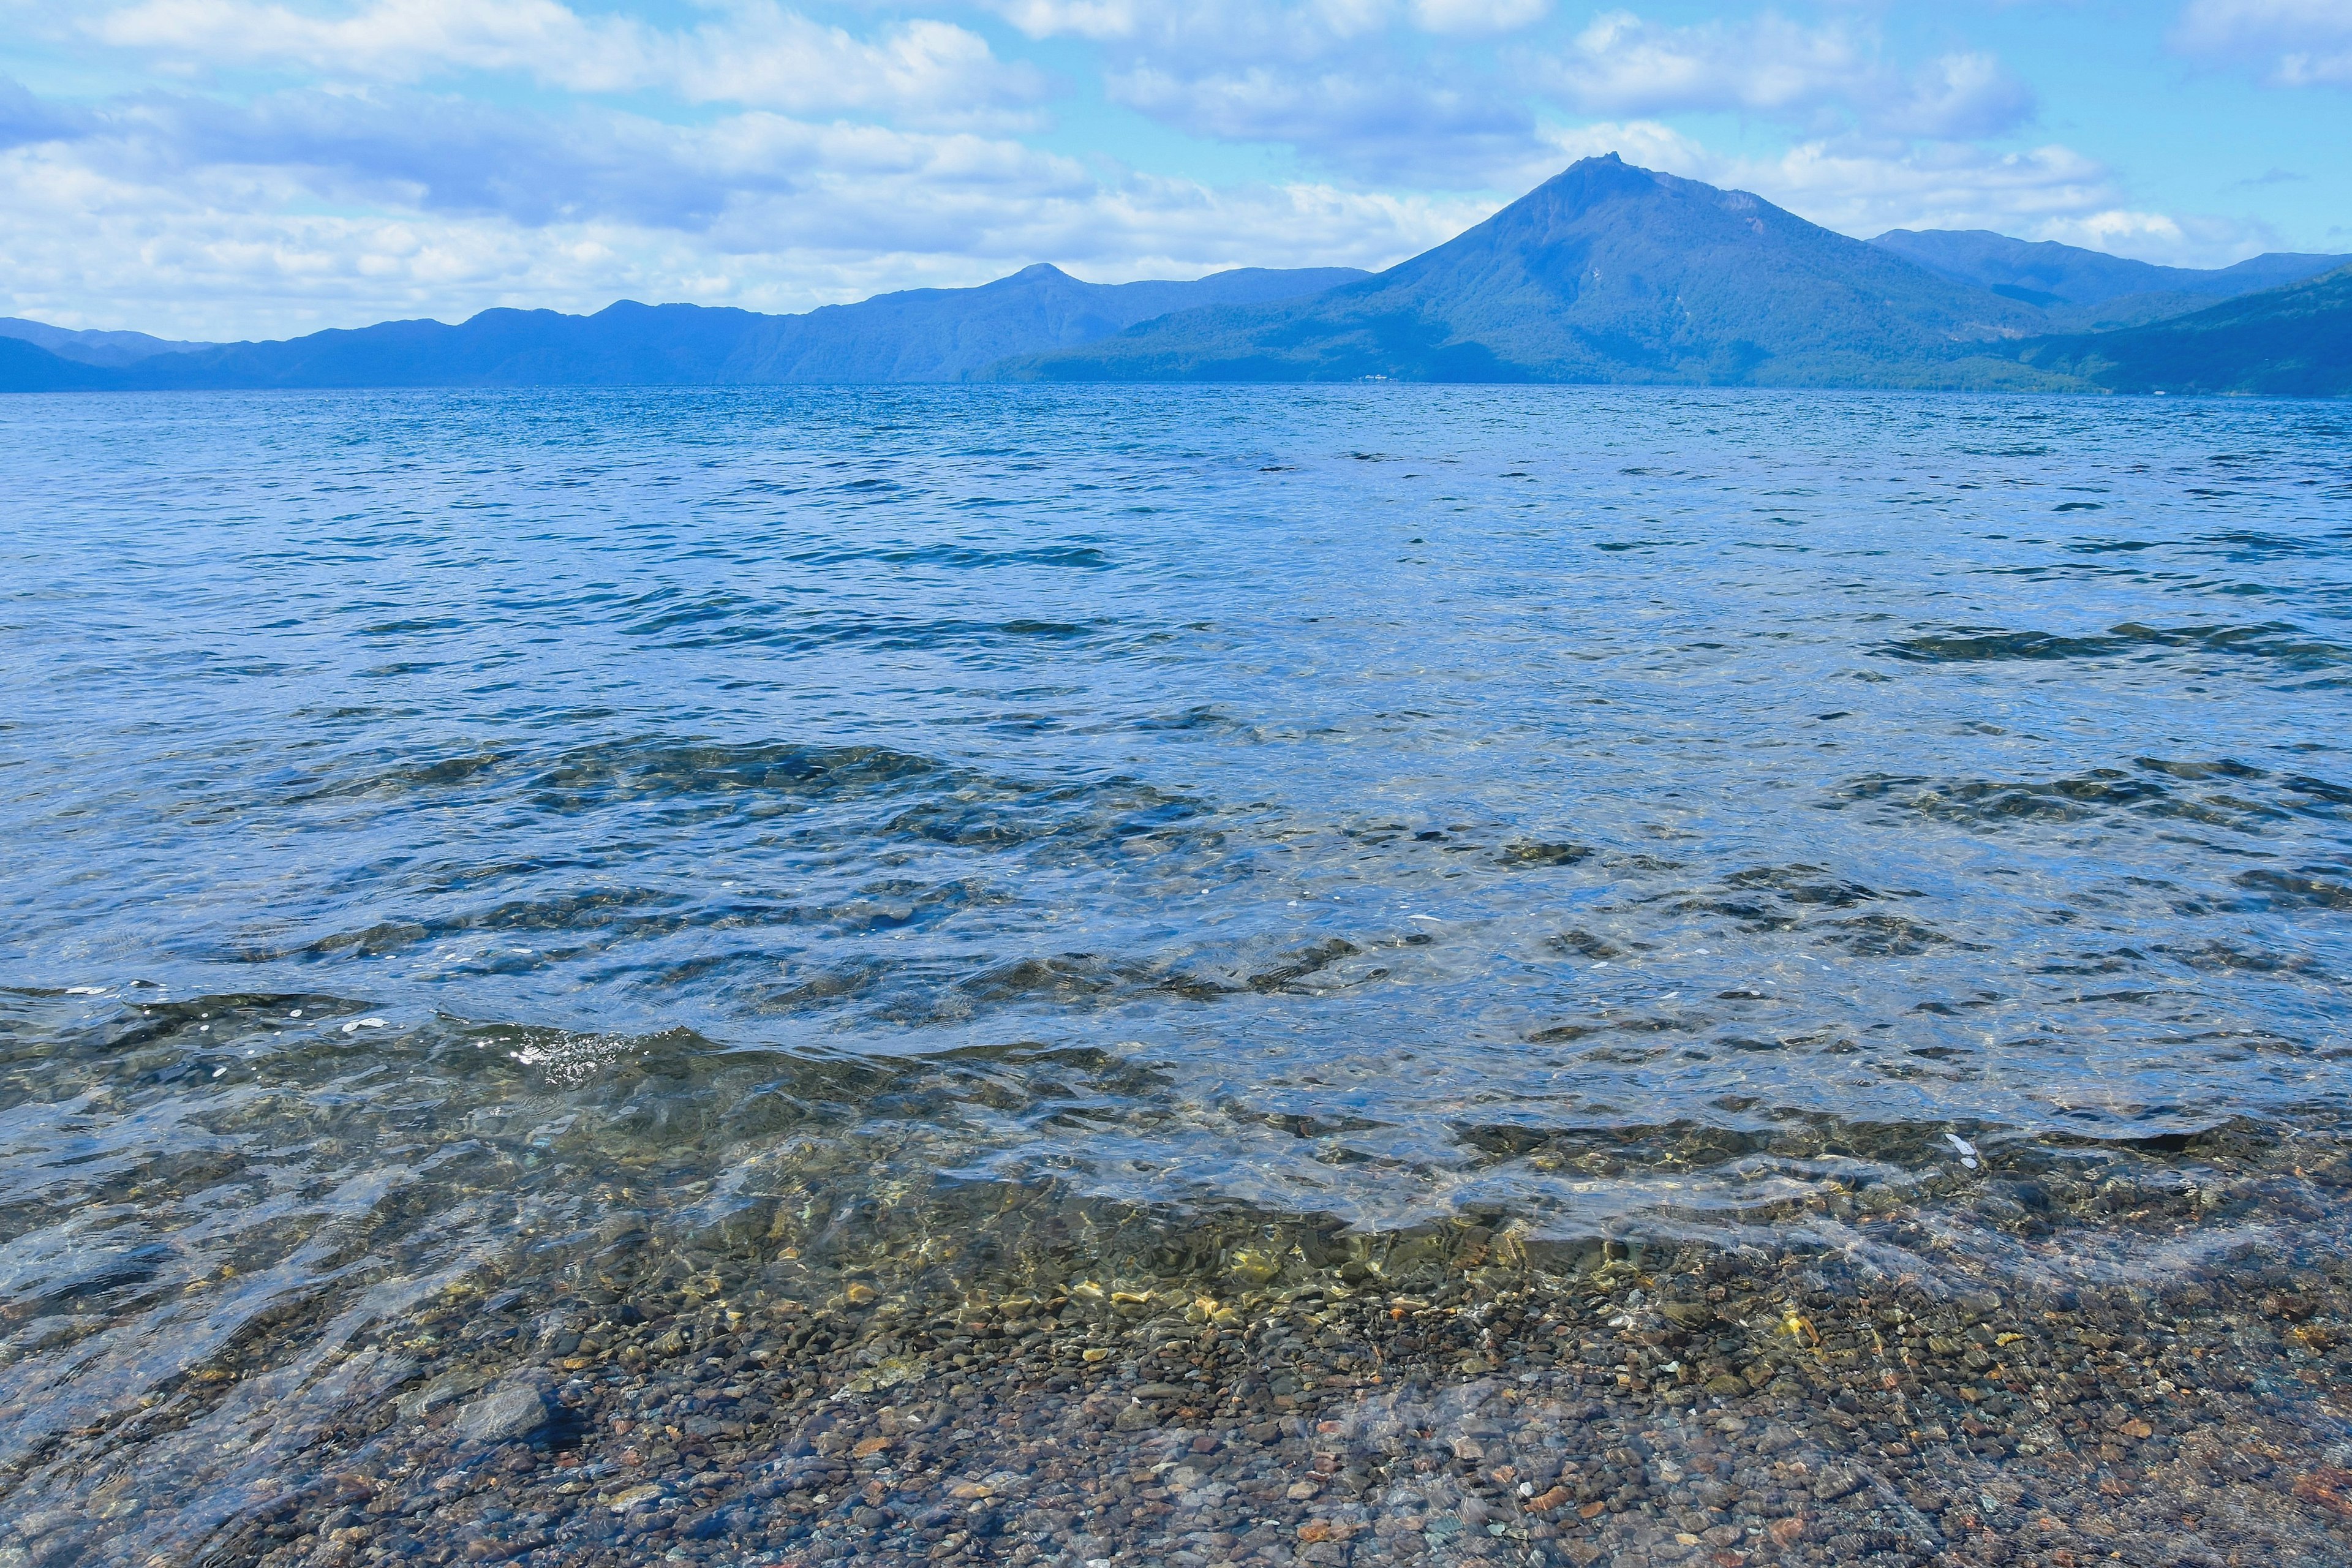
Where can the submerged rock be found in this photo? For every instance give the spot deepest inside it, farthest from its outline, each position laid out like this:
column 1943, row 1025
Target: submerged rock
column 511, row 1412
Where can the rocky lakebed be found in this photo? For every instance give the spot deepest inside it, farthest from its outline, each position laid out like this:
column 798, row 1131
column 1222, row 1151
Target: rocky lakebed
column 1285, row 1392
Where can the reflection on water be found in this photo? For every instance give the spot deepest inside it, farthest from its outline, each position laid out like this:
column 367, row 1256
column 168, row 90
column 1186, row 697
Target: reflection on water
column 654, row 850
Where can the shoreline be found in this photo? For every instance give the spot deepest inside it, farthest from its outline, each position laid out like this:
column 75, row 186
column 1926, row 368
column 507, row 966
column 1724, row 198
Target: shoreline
column 1690, row 1404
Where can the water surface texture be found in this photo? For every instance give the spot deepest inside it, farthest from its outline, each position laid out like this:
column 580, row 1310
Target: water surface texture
column 438, row 822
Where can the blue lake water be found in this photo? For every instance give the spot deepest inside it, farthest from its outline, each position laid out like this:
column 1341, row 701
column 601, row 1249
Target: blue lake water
column 1609, row 813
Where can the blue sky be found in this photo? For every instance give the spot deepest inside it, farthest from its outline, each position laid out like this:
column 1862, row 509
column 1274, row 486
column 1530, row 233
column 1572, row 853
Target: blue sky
column 231, row 168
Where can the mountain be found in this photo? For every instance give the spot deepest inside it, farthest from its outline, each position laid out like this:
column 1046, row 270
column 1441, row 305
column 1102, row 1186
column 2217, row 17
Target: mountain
column 2045, row 271
column 2089, row 288
column 1605, row 273
column 954, row 334
column 923, row 334
column 92, row 348
column 2294, row 341
column 28, row 367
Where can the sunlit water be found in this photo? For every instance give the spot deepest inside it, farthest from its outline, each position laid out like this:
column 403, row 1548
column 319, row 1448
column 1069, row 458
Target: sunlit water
column 436, row 824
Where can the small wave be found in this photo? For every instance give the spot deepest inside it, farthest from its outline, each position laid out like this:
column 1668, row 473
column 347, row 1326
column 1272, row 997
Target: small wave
column 735, row 621
column 2152, row 788
column 961, row 557
column 2279, row 641
column 2322, row 888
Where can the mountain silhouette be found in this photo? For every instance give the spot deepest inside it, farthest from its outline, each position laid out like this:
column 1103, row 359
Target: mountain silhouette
column 2089, row 288
column 92, row 347
column 2294, row 341
column 1605, row 273
column 921, row 334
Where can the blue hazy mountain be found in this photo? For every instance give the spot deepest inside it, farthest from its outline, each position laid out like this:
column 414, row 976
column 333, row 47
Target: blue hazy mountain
column 1605, row 273
column 84, row 347
column 955, row 334
column 922, row 334
column 2086, row 288
column 2294, row 341
column 28, row 367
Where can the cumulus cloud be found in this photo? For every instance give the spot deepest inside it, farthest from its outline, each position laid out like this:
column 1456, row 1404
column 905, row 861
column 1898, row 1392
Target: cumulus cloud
column 1233, row 26
column 191, row 215
column 1332, row 80
column 1955, row 98
column 1375, row 125
column 754, row 53
column 2293, row 43
column 1621, row 64
column 1862, row 189
column 1868, row 191
column 1477, row 15
column 276, row 166
column 1374, row 90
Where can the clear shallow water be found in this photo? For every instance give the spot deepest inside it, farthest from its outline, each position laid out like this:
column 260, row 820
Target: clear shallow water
column 447, row 827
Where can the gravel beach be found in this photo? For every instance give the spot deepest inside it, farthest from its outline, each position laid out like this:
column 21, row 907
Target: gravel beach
column 1454, row 1395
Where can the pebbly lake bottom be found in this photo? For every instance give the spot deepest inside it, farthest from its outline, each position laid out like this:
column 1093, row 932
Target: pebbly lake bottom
column 2036, row 1350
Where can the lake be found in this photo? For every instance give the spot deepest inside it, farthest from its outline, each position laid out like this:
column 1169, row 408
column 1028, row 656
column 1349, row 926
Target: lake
column 502, row 881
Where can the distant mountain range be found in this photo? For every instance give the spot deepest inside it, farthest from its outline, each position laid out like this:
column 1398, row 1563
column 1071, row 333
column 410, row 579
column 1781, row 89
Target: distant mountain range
column 1611, row 273
column 920, row 335
column 2294, row 341
column 1606, row 273
column 92, row 348
column 2088, row 288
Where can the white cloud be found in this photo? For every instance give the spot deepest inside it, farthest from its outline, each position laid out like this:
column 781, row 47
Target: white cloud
column 1419, row 129
column 1864, row 191
column 755, row 53
column 1955, row 98
column 284, row 165
column 1645, row 142
column 2196, row 240
column 1621, row 64
column 1356, row 86
column 1477, row 15
column 1861, row 188
column 2294, row 43
column 1095, row 19
column 389, row 41
column 1242, row 30
column 194, row 218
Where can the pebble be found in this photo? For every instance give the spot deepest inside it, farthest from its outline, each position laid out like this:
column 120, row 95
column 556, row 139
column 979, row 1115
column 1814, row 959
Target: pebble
column 509, row 1412
column 1811, row 1403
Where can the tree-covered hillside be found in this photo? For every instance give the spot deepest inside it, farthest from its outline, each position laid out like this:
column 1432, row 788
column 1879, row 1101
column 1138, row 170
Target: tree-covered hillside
column 1605, row 273
column 2294, row 341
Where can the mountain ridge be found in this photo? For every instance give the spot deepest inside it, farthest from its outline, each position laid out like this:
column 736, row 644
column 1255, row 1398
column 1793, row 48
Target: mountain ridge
column 915, row 335
column 2075, row 276
column 2294, row 341
column 2091, row 290
column 1605, row 272
column 86, row 346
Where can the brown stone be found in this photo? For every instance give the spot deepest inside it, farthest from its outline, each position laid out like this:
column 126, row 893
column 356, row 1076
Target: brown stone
column 2331, row 1488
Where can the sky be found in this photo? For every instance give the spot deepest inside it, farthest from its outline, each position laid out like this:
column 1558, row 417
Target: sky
column 222, row 169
